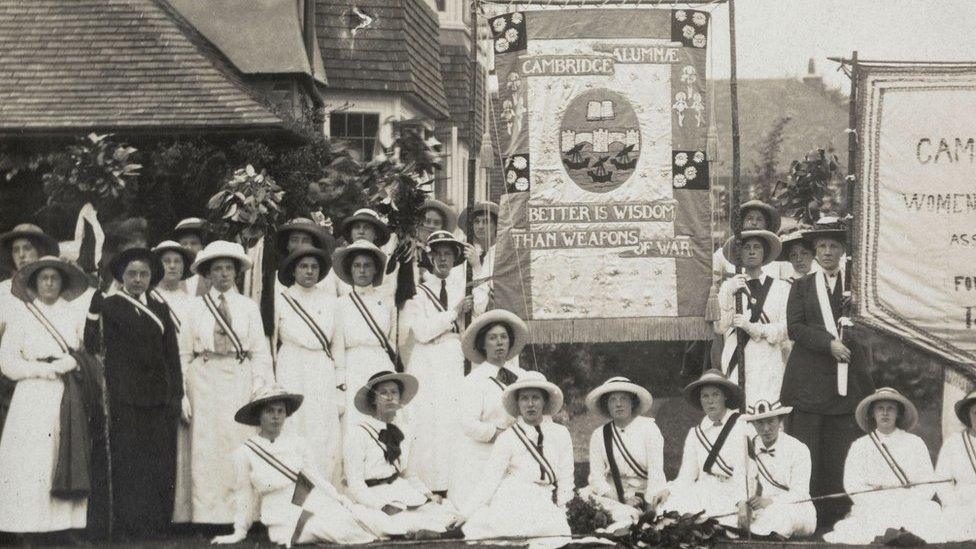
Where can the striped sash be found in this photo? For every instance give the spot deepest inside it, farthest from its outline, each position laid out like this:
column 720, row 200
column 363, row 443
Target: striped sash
column 145, row 310
column 763, row 469
column 437, row 304
column 629, row 459
column 714, row 457
column 374, row 434
column 967, row 443
column 889, row 459
column 547, row 472
column 303, row 486
column 310, row 322
column 172, row 314
column 375, row 328
column 58, row 338
column 235, row 340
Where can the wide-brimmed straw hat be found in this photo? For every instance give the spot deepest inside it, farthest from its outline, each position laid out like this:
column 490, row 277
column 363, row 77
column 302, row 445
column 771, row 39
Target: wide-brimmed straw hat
column 371, row 217
column 763, row 409
column 286, row 271
column 448, row 213
column 408, row 389
column 195, row 225
column 46, row 245
column 733, row 394
column 962, row 408
column 122, row 259
column 320, row 237
column 341, row 260
column 907, row 418
column 73, row 280
column 479, row 208
column 520, row 333
column 532, row 380
column 618, row 385
column 220, row 249
column 796, row 236
column 446, row 238
column 731, row 246
column 250, row 413
column 172, row 246
column 828, row 227
column 773, row 218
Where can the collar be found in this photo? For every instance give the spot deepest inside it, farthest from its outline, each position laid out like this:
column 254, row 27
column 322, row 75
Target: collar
column 830, row 275
column 489, row 369
column 529, row 428
column 894, row 434
column 706, row 422
column 215, row 293
column 141, row 298
column 45, row 307
column 761, row 278
column 364, row 290
column 379, row 424
column 771, row 446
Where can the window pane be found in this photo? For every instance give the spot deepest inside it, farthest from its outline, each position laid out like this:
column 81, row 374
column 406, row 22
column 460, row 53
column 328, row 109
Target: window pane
column 371, row 124
column 368, row 145
column 354, row 126
column 337, row 125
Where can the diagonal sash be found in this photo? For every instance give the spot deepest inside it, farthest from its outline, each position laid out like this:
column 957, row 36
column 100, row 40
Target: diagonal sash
column 713, row 458
column 763, row 468
column 625, row 453
column 756, row 314
column 375, row 328
column 140, row 307
column 830, row 324
column 612, row 461
column 967, row 443
column 544, row 464
column 58, row 338
column 376, row 438
column 303, row 485
column 172, row 314
column 437, row 303
column 889, row 459
column 310, row 322
column 235, row 340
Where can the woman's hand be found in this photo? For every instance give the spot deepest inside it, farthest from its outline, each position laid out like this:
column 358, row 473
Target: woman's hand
column 471, row 256
column 236, row 537
column 186, row 413
column 659, row 498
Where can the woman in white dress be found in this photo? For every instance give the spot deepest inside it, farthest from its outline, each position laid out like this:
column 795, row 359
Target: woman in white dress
column 377, row 459
column 957, row 460
column 305, row 324
column 35, row 354
column 626, row 453
column 490, row 343
column 278, row 484
column 480, row 226
column 528, row 481
column 228, row 358
column 365, row 320
column 888, row 456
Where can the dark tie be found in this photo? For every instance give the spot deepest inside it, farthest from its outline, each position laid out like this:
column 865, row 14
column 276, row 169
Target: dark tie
column 770, row 451
column 754, row 285
column 538, row 445
column 443, row 295
column 506, row 377
column 391, row 437
column 222, row 342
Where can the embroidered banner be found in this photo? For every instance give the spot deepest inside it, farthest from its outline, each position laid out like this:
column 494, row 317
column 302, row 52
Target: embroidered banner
column 604, row 230
column 916, row 209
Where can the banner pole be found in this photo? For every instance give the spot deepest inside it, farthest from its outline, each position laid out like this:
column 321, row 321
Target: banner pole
column 472, row 158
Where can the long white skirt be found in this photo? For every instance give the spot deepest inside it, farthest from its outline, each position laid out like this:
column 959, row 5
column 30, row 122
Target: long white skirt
column 959, row 522
column 218, row 388
column 312, row 374
column 894, row 510
column 28, row 452
column 419, row 515
column 786, row 519
column 712, row 494
column 518, row 508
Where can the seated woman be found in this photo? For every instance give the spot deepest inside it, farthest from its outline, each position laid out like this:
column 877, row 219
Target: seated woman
column 957, row 460
column 277, row 483
column 529, row 478
column 377, row 461
column 712, row 474
column 626, row 453
column 888, row 457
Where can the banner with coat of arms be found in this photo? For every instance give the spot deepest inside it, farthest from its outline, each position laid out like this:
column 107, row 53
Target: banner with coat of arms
column 604, row 229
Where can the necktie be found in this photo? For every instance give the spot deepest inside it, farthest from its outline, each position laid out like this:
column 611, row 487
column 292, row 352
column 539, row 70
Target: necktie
column 770, row 451
column 443, row 295
column 754, row 285
column 222, row 343
column 391, row 436
column 506, row 377
column 538, row 445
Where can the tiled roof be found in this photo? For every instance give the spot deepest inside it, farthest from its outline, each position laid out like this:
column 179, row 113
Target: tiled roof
column 398, row 52
column 115, row 64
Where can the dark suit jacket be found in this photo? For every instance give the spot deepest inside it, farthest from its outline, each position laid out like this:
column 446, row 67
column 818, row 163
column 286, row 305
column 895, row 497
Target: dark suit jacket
column 810, row 382
column 142, row 364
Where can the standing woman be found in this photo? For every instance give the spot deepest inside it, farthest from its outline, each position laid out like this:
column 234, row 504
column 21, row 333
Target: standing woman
column 365, row 319
column 35, row 353
column 305, row 324
column 480, row 225
column 490, row 342
column 228, row 359
column 957, row 460
column 366, row 225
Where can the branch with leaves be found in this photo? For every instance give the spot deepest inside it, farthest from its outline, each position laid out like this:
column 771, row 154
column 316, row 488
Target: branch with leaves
column 95, row 169
column 803, row 195
column 247, row 206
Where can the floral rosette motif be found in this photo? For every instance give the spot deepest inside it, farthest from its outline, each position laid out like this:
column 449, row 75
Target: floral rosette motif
column 517, row 173
column 508, row 32
column 690, row 28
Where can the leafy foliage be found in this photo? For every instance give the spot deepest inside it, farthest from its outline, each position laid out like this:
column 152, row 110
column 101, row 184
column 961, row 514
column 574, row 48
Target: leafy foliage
column 94, row 169
column 586, row 516
column 673, row 529
column 803, row 195
column 247, row 206
column 766, row 170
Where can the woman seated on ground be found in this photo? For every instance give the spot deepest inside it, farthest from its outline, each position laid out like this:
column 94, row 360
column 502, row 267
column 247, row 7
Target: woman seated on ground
column 888, row 457
column 377, row 462
column 957, row 460
column 529, row 478
column 277, row 483
column 626, row 453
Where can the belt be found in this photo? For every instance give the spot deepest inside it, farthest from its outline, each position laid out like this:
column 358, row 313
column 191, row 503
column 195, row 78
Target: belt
column 210, row 355
column 370, row 482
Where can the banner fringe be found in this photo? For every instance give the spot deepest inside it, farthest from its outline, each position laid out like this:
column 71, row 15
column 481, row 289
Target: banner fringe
column 598, row 330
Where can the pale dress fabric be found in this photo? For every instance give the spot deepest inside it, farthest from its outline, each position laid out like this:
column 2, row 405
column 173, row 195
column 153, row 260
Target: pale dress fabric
column 764, row 354
column 303, row 367
column 482, row 292
column 716, row 493
column 511, row 499
column 8, row 304
column 218, row 385
column 29, row 445
column 480, row 415
column 438, row 364
column 789, row 465
column 363, row 460
column 645, row 444
column 264, row 493
column 873, row 513
column 179, row 305
column 959, row 499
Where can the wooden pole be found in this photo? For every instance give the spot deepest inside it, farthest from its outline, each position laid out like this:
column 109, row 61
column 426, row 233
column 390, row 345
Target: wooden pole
column 472, row 156
column 852, row 140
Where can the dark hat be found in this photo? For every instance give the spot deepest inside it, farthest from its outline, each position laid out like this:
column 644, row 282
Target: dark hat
column 773, row 219
column 444, row 238
column 122, row 259
column 73, row 280
column 250, row 413
column 45, row 244
column 286, row 271
column 371, row 217
column 481, row 207
column 733, row 393
column 320, row 237
column 828, row 227
column 793, row 237
column 962, row 408
column 173, row 246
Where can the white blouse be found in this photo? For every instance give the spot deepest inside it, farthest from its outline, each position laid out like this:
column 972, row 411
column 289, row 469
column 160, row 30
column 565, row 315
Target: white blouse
column 364, row 460
column 644, row 444
column 955, row 463
column 865, row 468
column 694, row 455
column 481, row 410
column 26, row 342
column 319, row 305
column 352, row 330
column 787, row 463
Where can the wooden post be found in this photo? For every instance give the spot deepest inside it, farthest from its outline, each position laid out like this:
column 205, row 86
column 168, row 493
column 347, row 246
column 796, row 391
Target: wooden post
column 472, row 156
column 735, row 192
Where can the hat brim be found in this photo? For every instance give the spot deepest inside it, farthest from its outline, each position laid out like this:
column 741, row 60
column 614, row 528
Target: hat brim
column 201, row 230
column 320, row 237
column 250, row 413
column 772, row 242
column 643, row 396
column 408, row 383
column 784, row 411
column 490, row 207
column 382, row 231
column 73, row 284
column 773, row 218
column 962, row 409
column 202, row 264
column 447, row 212
column 906, row 420
column 186, row 253
column 46, row 246
column 342, row 270
column 495, row 316
column 553, row 405
column 286, row 271
column 838, row 235
column 784, row 254
column 122, row 259
column 458, row 249
column 733, row 393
